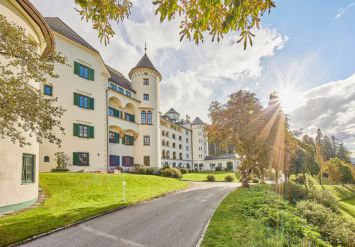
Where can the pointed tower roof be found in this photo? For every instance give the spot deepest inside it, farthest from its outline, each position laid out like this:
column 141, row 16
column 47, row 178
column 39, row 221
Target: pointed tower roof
column 145, row 63
column 197, row 121
column 172, row 110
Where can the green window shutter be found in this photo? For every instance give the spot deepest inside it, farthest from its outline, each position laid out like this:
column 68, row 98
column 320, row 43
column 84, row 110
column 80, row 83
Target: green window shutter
column 76, row 99
column 76, row 129
column 75, row 159
column 124, row 140
column 117, row 138
column 91, row 132
column 132, row 140
column 91, row 74
column 91, row 103
column 76, row 68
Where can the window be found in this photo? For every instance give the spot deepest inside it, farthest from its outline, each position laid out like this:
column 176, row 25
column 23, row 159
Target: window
column 180, row 146
column 128, row 140
column 187, row 140
column 174, row 145
column 127, row 161
column 145, row 81
column 48, row 90
column 81, row 159
column 113, row 86
column 146, row 140
column 84, row 71
column 187, row 156
column 146, row 97
column 146, row 160
column 46, row 159
column 129, row 117
column 81, row 130
column 114, row 113
column 173, row 136
column 114, row 137
column 143, row 117
column 84, row 101
column 128, row 93
column 180, row 138
column 28, row 168
column 180, row 156
column 186, row 132
column 114, row 160
column 187, row 148
column 149, row 117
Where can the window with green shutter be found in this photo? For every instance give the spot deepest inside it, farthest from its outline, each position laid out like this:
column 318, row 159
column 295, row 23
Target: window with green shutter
column 80, row 159
column 128, row 140
column 28, row 168
column 114, row 137
column 82, row 130
column 84, row 71
column 84, row 101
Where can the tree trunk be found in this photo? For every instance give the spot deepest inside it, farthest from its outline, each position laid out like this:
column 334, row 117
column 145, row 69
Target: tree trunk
column 245, row 183
column 262, row 176
column 305, row 181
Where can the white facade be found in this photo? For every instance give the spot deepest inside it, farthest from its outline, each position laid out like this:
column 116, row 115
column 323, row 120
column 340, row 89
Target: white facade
column 176, row 141
column 19, row 165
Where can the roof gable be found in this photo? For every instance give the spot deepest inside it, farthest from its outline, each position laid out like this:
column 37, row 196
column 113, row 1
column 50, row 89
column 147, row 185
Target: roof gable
column 119, row 79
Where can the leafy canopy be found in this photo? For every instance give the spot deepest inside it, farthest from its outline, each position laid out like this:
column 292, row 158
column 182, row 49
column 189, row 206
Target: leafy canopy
column 215, row 17
column 23, row 109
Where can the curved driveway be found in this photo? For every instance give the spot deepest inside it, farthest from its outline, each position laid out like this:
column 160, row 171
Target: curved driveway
column 177, row 220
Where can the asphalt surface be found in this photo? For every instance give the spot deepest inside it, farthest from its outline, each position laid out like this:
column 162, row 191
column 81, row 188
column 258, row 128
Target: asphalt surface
column 177, row 220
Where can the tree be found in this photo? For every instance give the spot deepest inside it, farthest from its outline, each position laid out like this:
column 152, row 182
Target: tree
column 343, row 153
column 238, row 123
column 335, row 143
column 327, row 148
column 319, row 154
column 63, row 161
column 217, row 18
column 23, row 109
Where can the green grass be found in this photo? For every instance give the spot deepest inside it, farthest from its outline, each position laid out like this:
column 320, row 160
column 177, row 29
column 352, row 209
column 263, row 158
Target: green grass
column 202, row 176
column 73, row 197
column 258, row 217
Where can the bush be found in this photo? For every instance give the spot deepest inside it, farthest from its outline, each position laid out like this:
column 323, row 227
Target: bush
column 218, row 169
column 60, row 169
column 331, row 226
column 184, row 171
column 324, row 197
column 300, row 179
column 255, row 180
column 211, row 178
column 63, row 161
column 140, row 170
column 292, row 192
column 229, row 178
column 171, row 173
column 150, row 170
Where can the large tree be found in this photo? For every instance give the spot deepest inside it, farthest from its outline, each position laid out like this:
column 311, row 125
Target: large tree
column 24, row 111
column 238, row 123
column 217, row 18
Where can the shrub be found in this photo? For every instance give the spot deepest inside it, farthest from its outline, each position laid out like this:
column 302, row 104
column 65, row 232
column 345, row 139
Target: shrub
column 140, row 170
column 183, row 171
column 324, row 197
column 300, row 179
column 171, row 173
column 331, row 226
column 255, row 180
column 150, row 170
column 63, row 161
column 211, row 178
column 292, row 192
column 60, row 169
column 237, row 175
column 218, row 169
column 229, row 178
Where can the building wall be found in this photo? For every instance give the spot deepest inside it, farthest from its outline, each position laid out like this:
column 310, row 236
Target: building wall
column 200, row 145
column 64, row 88
column 12, row 191
column 222, row 163
column 153, row 105
column 167, row 131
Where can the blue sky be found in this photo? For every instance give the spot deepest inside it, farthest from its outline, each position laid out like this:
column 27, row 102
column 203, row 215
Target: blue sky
column 305, row 50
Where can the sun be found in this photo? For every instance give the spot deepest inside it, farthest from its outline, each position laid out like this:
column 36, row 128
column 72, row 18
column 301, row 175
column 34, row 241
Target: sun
column 290, row 97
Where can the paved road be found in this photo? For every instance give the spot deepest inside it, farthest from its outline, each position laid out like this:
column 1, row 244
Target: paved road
column 175, row 220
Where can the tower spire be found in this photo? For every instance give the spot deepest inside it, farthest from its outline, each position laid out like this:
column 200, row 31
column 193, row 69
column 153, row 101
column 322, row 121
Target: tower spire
column 145, row 47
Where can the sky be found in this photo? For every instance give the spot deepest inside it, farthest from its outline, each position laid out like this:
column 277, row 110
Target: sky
column 304, row 50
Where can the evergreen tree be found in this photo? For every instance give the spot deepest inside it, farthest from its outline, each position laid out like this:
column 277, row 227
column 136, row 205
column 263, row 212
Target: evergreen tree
column 334, row 143
column 343, row 153
column 327, row 148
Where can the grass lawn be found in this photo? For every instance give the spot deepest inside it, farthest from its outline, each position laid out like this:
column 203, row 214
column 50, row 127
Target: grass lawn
column 256, row 217
column 201, row 176
column 76, row 196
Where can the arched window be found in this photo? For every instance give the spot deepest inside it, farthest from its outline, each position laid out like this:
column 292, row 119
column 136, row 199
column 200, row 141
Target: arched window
column 143, row 117
column 163, row 154
column 173, row 144
column 173, row 136
column 163, row 143
column 163, row 133
column 167, row 143
column 149, row 117
column 46, row 159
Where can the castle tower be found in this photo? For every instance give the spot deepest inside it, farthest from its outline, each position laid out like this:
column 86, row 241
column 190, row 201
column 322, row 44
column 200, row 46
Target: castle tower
column 146, row 81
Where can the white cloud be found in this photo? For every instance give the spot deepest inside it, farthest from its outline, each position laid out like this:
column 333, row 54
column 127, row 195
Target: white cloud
column 342, row 11
column 330, row 107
